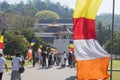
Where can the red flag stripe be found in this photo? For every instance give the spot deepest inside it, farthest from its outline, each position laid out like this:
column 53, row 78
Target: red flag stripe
column 84, row 28
column 1, row 45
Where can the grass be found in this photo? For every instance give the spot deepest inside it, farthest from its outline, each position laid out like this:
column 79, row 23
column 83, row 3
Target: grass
column 116, row 64
column 115, row 74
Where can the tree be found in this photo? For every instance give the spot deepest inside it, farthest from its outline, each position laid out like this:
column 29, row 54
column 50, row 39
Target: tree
column 30, row 9
column 103, row 33
column 116, row 44
column 18, row 21
column 14, row 43
column 19, row 8
column 28, row 34
column 46, row 15
column 28, row 21
column 4, row 6
column 15, row 20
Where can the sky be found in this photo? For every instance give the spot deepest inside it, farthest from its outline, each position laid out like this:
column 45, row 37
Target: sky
column 105, row 7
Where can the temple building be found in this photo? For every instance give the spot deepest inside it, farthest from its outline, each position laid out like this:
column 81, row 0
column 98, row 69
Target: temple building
column 57, row 34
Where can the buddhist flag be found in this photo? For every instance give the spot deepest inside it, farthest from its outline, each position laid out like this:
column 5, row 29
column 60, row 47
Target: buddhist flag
column 71, row 46
column 92, row 59
column 1, row 41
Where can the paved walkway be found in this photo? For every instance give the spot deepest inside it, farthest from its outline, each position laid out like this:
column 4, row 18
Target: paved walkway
column 37, row 73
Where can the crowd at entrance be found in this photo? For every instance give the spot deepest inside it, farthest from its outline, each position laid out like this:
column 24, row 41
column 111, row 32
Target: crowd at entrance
column 48, row 59
column 45, row 59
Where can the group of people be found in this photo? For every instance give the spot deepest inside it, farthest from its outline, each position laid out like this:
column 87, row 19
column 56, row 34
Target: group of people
column 45, row 59
column 48, row 59
column 17, row 62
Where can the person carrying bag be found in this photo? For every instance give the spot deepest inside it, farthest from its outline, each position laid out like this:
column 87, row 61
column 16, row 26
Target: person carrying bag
column 21, row 67
column 16, row 65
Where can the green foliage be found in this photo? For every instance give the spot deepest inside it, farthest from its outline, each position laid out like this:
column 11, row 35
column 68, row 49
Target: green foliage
column 103, row 33
column 4, row 6
column 33, row 6
column 28, row 33
column 14, row 43
column 107, row 20
column 19, row 41
column 116, row 44
column 15, row 20
column 46, row 15
column 19, row 22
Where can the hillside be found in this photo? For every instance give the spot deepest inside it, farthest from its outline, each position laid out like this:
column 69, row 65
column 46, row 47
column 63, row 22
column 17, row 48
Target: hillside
column 106, row 20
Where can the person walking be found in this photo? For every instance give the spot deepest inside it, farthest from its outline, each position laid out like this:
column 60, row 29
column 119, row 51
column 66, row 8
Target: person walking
column 65, row 57
column 44, row 54
column 49, row 59
column 57, row 58
column 34, row 55
column 2, row 64
column 16, row 63
column 62, row 60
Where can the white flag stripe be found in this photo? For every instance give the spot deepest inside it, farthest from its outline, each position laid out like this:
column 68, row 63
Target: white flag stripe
column 1, row 51
column 89, row 49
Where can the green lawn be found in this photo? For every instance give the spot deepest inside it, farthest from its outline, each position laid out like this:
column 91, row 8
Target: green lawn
column 116, row 74
column 116, row 64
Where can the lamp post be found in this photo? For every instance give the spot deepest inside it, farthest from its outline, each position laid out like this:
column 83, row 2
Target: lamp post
column 113, row 11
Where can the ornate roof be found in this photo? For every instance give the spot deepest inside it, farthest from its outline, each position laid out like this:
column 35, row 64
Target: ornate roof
column 58, row 30
column 55, row 21
column 64, row 30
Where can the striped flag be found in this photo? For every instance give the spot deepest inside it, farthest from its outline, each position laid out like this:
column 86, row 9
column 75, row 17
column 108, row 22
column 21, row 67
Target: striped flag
column 71, row 46
column 92, row 59
column 1, row 41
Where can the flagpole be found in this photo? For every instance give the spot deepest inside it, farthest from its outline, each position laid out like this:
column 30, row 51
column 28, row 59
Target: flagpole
column 113, row 11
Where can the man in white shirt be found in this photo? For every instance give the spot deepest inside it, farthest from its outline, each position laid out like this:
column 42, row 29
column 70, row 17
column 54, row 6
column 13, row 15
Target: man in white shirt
column 16, row 62
column 2, row 65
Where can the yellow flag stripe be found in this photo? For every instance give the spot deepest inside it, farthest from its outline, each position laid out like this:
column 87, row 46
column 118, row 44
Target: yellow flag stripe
column 1, row 38
column 71, row 46
column 86, row 8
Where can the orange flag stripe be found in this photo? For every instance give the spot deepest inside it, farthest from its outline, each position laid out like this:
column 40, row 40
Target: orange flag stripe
column 92, row 69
